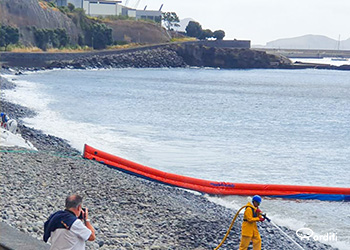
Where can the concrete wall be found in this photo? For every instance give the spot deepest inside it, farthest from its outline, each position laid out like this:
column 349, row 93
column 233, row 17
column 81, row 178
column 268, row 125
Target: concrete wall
column 126, row 11
column 223, row 43
column 103, row 8
column 154, row 15
column 11, row 238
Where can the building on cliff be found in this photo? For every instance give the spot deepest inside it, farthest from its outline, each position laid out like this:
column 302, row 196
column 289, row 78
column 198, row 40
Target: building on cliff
column 111, row 8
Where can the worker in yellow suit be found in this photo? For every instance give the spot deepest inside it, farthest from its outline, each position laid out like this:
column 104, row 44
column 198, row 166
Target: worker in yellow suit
column 250, row 231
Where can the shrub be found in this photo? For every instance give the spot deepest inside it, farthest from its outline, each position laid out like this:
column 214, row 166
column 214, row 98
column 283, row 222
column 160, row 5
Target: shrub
column 219, row 34
column 8, row 35
column 55, row 38
column 194, row 29
column 99, row 36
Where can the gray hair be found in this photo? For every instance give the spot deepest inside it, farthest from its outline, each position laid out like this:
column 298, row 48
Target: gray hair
column 73, row 201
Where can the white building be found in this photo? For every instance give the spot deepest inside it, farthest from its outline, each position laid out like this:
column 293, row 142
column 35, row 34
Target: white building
column 111, row 8
column 154, row 15
column 102, row 7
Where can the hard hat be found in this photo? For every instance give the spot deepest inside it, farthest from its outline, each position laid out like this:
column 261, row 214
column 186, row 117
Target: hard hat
column 256, row 198
column 2, row 114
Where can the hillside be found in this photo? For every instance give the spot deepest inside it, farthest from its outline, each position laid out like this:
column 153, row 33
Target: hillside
column 29, row 14
column 25, row 14
column 309, row 42
column 138, row 32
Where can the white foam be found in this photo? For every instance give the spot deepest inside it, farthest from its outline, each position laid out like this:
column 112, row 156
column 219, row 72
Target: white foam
column 326, row 60
column 30, row 94
column 8, row 139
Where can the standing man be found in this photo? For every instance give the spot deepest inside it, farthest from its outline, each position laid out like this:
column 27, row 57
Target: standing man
column 66, row 230
column 250, row 231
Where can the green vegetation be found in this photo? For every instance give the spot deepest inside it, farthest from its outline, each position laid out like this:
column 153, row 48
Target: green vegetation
column 194, row 29
column 170, row 20
column 115, row 17
column 95, row 34
column 8, row 35
column 207, row 33
column 54, row 38
column 219, row 34
column 70, row 8
column 88, row 31
column 98, row 36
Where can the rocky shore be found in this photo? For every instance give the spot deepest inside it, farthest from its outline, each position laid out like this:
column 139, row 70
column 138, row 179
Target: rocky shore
column 155, row 56
column 128, row 212
column 158, row 56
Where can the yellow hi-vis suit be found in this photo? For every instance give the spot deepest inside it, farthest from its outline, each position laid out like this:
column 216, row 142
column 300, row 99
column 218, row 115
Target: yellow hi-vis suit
column 249, row 229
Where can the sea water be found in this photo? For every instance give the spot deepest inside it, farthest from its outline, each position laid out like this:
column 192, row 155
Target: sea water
column 248, row 126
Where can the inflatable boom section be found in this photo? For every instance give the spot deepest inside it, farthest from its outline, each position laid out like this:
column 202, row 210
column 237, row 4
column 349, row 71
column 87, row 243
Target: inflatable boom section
column 218, row 188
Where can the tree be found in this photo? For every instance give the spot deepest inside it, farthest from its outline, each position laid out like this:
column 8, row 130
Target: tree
column 42, row 38
column 207, row 33
column 62, row 36
column 170, row 19
column 194, row 29
column 8, row 35
column 71, row 7
column 101, row 36
column 219, row 34
column 56, row 38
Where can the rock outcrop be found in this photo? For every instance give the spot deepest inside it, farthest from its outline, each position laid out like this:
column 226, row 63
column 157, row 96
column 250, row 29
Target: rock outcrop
column 202, row 56
column 168, row 55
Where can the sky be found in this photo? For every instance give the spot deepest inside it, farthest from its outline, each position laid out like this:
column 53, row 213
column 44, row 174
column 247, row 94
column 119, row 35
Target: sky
column 262, row 21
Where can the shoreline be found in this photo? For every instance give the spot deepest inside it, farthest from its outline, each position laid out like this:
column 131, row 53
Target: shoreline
column 158, row 56
column 127, row 212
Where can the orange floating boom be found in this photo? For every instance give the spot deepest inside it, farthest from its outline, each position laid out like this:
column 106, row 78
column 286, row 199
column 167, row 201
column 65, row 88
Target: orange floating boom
column 218, row 188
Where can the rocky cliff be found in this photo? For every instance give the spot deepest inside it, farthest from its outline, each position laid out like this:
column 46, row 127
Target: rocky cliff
column 171, row 55
column 27, row 14
column 202, row 56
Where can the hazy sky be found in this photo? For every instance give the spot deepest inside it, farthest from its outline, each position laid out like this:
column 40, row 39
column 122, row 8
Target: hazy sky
column 262, row 21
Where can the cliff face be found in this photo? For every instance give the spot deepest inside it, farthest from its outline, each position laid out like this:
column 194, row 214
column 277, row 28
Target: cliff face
column 25, row 14
column 202, row 56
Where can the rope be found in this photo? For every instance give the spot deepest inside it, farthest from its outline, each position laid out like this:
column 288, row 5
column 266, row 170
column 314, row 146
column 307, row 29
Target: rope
column 229, row 229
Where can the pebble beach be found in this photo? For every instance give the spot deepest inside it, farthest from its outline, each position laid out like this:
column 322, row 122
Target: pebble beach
column 127, row 212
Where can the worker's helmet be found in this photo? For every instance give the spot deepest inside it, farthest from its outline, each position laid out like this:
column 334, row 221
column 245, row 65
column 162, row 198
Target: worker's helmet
column 256, row 198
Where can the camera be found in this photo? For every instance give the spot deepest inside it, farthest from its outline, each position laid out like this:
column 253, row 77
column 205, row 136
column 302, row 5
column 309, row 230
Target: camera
column 81, row 214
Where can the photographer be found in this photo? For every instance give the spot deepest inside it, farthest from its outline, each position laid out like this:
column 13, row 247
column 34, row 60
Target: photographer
column 69, row 229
